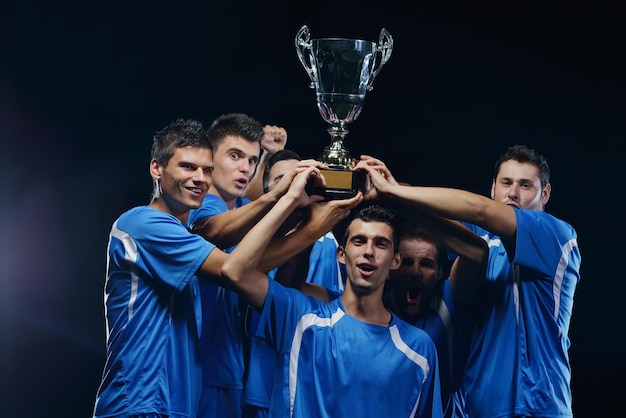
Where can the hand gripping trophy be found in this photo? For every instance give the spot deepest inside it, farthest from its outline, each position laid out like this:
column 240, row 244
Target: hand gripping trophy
column 341, row 72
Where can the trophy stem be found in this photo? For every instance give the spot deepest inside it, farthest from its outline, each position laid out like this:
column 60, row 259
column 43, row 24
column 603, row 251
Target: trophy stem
column 335, row 155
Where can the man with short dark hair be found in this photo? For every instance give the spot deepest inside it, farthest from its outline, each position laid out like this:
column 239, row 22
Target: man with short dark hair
column 521, row 336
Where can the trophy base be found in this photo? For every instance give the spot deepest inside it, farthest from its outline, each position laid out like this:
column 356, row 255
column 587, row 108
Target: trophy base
column 340, row 184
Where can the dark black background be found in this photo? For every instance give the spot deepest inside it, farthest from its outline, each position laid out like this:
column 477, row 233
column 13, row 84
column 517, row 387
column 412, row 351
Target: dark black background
column 84, row 85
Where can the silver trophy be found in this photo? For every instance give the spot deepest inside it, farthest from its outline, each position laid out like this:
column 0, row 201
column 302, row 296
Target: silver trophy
column 341, row 72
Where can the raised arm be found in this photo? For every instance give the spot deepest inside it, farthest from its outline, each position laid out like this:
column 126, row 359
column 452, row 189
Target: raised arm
column 241, row 266
column 323, row 217
column 291, row 252
column 461, row 205
column 274, row 140
column 468, row 273
column 228, row 228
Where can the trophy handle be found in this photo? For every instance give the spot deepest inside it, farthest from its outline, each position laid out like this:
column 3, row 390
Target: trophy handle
column 303, row 43
column 385, row 46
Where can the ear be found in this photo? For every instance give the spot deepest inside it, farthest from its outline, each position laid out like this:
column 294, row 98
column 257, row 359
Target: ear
column 396, row 262
column 545, row 194
column 493, row 188
column 341, row 254
column 155, row 169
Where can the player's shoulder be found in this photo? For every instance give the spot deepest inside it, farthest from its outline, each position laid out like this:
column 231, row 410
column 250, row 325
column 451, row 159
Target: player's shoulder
column 535, row 219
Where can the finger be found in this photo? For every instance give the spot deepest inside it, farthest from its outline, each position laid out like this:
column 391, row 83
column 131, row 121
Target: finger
column 353, row 201
column 321, row 178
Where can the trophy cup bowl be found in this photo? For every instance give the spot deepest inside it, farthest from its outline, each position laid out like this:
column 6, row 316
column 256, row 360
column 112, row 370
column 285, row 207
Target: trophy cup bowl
column 342, row 72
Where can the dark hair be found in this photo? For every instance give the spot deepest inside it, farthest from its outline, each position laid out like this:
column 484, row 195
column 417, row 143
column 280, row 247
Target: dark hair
column 376, row 213
column 235, row 124
column 280, row 155
column 409, row 229
column 523, row 154
column 177, row 134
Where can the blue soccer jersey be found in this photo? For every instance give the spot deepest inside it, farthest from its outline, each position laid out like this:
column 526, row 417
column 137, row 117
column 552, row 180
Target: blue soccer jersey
column 324, row 266
column 152, row 309
column 333, row 365
column 323, row 270
column 221, row 341
column 261, row 367
column 521, row 339
column 450, row 328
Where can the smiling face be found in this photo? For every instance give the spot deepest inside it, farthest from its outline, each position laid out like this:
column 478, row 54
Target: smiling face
column 368, row 255
column 184, row 181
column 235, row 160
column 414, row 283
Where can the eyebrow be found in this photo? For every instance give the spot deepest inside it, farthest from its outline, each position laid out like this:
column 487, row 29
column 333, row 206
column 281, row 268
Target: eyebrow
column 376, row 238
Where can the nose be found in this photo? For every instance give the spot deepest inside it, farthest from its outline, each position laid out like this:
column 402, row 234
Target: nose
column 247, row 166
column 414, row 271
column 200, row 175
column 368, row 249
column 513, row 192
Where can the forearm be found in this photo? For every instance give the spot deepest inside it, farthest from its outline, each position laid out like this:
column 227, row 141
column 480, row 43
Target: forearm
column 281, row 250
column 457, row 204
column 227, row 229
column 452, row 234
column 249, row 252
column 324, row 216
